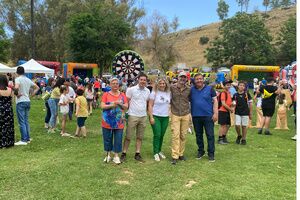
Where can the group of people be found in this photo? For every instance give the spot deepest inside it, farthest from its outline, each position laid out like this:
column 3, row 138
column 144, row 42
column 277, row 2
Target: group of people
column 179, row 104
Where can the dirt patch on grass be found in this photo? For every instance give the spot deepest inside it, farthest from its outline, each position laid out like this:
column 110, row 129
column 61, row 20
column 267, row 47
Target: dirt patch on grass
column 127, row 172
column 190, row 184
column 120, row 182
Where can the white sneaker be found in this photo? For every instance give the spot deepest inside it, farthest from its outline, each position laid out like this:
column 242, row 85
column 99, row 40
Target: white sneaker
column 65, row 135
column 20, row 143
column 46, row 125
column 294, row 138
column 162, row 155
column 117, row 160
column 51, row 131
column 156, row 157
column 190, row 131
column 107, row 159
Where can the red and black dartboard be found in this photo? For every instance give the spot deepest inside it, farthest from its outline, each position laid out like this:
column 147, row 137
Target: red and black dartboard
column 127, row 64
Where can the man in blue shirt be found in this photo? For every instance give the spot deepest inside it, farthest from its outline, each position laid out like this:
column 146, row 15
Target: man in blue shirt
column 204, row 110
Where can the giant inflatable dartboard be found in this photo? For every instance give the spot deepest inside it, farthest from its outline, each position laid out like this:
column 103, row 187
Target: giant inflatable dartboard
column 127, row 64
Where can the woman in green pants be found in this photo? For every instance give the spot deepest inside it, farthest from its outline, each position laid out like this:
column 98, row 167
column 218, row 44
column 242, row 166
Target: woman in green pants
column 158, row 110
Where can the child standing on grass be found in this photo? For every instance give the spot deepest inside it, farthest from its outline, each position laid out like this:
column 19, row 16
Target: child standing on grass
column 281, row 122
column 89, row 93
column 243, row 112
column 64, row 108
column 81, row 113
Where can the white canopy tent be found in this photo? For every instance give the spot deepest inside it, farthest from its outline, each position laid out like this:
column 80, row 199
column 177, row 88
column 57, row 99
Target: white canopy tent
column 34, row 67
column 6, row 69
column 224, row 69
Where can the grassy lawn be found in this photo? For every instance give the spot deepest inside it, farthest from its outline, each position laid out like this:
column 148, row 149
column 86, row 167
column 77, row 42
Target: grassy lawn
column 53, row 167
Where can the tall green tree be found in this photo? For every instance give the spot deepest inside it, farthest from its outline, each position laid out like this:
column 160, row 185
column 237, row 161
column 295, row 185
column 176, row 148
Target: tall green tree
column 275, row 4
column 154, row 34
column 266, row 3
column 244, row 39
column 98, row 35
column 287, row 41
column 243, row 4
column 286, row 3
column 222, row 9
column 51, row 17
column 4, row 44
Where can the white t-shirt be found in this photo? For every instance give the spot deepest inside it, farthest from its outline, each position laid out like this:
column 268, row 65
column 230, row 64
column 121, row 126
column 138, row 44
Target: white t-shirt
column 64, row 109
column 89, row 94
column 138, row 101
column 71, row 94
column 24, row 87
column 161, row 103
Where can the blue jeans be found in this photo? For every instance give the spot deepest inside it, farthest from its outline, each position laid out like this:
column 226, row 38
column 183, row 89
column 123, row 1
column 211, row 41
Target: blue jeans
column 22, row 114
column 48, row 112
column 53, row 105
column 112, row 139
column 71, row 110
column 208, row 124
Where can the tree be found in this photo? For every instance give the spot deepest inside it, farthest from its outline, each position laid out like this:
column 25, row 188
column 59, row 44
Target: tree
column 275, row 3
column 287, row 41
column 286, row 3
column 4, row 44
column 156, row 43
column 241, row 4
column 98, row 35
column 266, row 3
column 244, row 39
column 51, row 17
column 222, row 9
column 246, row 2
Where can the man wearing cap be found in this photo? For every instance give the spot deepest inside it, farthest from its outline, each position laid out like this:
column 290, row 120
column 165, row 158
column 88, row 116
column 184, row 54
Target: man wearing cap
column 204, row 109
column 180, row 117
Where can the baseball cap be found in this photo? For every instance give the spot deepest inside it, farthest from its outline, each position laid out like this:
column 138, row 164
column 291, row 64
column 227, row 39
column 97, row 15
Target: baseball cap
column 182, row 74
column 227, row 82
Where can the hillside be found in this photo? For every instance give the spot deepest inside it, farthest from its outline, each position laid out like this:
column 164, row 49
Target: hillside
column 192, row 53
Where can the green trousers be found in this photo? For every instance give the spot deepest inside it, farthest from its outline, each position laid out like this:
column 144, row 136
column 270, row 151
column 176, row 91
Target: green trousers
column 159, row 129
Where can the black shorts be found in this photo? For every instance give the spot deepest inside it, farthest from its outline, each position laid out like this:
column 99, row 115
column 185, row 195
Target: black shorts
column 224, row 118
column 268, row 112
column 89, row 100
column 80, row 121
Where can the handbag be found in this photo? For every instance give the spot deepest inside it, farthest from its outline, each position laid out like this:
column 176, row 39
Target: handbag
column 46, row 96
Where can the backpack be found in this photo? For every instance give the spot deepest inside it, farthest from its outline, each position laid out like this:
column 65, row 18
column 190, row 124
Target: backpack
column 267, row 94
column 219, row 99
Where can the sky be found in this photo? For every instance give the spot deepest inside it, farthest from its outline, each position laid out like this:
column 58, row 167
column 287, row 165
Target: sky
column 194, row 13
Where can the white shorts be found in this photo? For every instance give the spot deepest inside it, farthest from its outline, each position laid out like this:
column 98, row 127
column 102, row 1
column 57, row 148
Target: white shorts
column 241, row 120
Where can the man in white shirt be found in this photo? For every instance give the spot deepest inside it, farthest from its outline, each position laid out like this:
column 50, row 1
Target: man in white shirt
column 138, row 97
column 22, row 88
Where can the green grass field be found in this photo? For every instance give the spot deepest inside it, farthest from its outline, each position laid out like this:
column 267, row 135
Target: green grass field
column 55, row 167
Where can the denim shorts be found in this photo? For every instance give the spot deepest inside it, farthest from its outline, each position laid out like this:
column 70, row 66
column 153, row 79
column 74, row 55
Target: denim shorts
column 80, row 121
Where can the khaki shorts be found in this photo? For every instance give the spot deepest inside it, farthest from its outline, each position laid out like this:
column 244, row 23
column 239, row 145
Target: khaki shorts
column 137, row 124
column 241, row 120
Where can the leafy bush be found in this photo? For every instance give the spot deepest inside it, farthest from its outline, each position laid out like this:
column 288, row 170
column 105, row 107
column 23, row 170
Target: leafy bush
column 203, row 40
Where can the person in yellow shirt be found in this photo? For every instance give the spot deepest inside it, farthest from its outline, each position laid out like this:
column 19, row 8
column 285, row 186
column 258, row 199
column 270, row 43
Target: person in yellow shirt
column 53, row 104
column 81, row 113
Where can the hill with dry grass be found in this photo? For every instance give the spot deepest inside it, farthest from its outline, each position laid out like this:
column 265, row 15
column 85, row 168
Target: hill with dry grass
column 192, row 53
